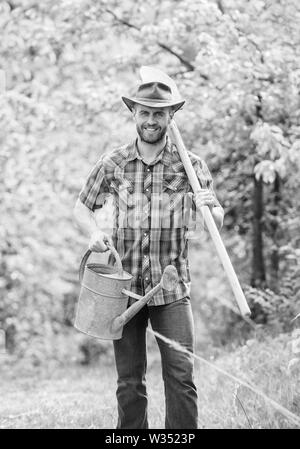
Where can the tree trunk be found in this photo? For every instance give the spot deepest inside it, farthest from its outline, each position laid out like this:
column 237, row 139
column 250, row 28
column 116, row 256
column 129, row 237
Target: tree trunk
column 258, row 277
column 274, row 258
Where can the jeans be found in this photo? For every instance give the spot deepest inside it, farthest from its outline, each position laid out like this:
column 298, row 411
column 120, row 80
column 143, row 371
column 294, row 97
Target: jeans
column 174, row 321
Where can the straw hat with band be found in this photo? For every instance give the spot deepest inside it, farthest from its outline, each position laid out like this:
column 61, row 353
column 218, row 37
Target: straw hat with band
column 154, row 95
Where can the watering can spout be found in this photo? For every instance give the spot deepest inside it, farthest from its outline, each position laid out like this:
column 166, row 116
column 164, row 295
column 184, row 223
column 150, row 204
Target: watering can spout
column 168, row 282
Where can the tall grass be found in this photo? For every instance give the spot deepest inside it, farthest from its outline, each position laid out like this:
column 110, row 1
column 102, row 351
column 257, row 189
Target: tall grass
column 84, row 397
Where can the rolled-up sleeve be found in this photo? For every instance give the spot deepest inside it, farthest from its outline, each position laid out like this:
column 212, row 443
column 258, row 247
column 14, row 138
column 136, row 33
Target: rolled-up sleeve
column 95, row 189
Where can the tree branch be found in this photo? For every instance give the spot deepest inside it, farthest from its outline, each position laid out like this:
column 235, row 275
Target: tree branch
column 221, row 8
column 189, row 66
column 122, row 21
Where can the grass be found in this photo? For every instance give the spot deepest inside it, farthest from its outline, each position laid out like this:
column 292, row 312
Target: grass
column 84, row 397
column 74, row 397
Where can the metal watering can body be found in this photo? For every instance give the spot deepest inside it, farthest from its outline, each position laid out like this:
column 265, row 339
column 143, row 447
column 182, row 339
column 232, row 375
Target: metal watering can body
column 101, row 299
column 102, row 308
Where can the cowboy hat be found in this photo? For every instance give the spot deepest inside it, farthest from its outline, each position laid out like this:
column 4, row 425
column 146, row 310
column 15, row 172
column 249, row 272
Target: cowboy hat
column 154, row 94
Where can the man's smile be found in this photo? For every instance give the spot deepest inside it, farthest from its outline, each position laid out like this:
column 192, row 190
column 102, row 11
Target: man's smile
column 151, row 129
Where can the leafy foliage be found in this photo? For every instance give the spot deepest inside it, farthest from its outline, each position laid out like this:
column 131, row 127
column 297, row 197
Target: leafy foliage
column 66, row 66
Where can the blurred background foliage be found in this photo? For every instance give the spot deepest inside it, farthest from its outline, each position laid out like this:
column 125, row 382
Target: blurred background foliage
column 66, row 64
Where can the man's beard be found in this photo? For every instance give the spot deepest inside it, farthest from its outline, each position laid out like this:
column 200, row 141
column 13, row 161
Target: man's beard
column 156, row 138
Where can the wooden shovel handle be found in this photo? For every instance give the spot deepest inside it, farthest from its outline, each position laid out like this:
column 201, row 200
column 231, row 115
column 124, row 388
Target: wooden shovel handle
column 89, row 252
column 209, row 221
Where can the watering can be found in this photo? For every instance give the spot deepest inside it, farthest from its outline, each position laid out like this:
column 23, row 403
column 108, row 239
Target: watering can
column 102, row 306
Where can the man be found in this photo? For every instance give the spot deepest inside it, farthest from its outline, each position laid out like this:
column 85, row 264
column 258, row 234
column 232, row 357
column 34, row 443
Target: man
column 152, row 200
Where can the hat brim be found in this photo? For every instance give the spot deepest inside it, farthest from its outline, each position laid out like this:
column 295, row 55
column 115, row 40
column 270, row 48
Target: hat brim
column 175, row 105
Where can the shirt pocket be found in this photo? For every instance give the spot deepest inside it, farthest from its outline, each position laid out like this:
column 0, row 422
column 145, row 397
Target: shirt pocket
column 174, row 191
column 121, row 188
column 123, row 192
column 119, row 185
column 178, row 183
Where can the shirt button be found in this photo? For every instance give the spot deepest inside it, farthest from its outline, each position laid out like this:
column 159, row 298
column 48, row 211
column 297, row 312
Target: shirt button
column 145, row 255
column 146, row 279
column 145, row 233
column 147, row 190
column 148, row 169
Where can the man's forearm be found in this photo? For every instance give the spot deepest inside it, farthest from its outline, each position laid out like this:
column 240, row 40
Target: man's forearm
column 98, row 240
column 85, row 218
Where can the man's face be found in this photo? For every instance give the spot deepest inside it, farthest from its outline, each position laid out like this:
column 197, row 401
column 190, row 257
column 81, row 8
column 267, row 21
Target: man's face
column 151, row 123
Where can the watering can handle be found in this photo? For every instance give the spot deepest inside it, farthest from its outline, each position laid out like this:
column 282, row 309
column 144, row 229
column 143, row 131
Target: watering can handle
column 87, row 255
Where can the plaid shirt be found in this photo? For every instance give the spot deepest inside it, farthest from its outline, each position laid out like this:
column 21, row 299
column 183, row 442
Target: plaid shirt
column 163, row 210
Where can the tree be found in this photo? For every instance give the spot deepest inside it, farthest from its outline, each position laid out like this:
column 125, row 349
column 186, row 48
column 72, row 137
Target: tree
column 67, row 65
